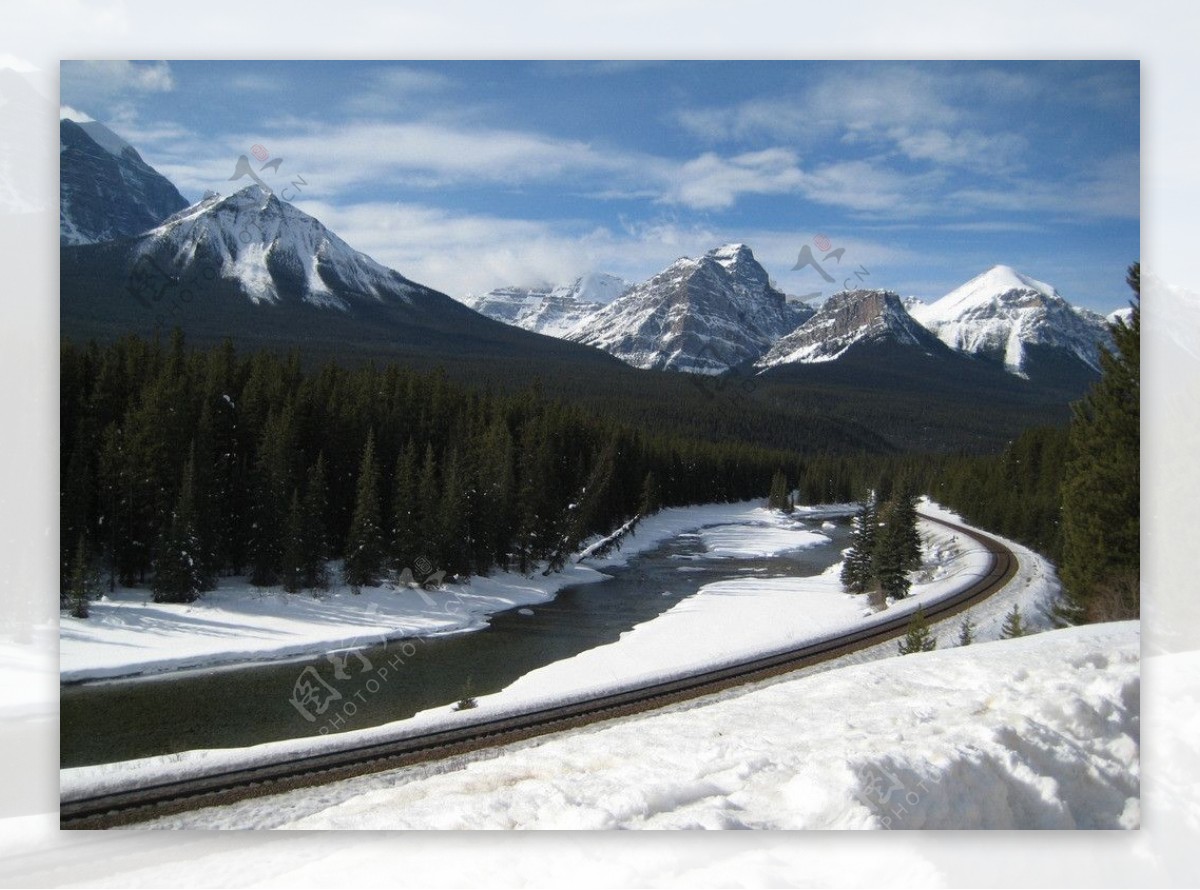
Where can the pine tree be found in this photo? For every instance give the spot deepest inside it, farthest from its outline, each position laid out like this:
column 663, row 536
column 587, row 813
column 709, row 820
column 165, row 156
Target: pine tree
column 314, row 535
column 428, row 500
column 858, row 568
column 406, row 513
column 918, row 638
column 83, row 583
column 291, row 573
column 274, row 471
column 891, row 557
column 454, row 550
column 364, row 544
column 1014, row 625
column 908, row 538
column 651, row 499
column 966, row 632
column 179, row 570
column 778, row 499
column 1101, row 487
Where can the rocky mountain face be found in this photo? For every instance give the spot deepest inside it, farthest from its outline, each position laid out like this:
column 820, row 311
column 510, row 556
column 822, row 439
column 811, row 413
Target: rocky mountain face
column 700, row 316
column 106, row 190
column 846, row 320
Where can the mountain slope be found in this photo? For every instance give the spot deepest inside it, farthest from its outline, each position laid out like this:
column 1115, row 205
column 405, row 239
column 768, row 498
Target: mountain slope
column 846, row 319
column 701, row 316
column 257, row 269
column 550, row 311
column 1016, row 321
column 106, row 190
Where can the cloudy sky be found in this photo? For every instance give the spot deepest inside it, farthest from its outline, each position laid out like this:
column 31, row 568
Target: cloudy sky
column 471, row 175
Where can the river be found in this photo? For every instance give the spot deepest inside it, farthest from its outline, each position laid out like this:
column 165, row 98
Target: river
column 236, row 706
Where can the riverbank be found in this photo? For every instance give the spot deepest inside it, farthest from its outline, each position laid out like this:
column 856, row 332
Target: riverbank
column 724, row 621
column 127, row 634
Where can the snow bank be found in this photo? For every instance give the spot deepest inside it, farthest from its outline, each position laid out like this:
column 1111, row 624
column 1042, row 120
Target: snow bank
column 1037, row 732
column 127, row 633
column 723, row 623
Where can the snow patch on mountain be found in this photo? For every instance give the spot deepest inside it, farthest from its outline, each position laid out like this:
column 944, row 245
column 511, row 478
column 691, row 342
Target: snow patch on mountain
column 1000, row 313
column 553, row 311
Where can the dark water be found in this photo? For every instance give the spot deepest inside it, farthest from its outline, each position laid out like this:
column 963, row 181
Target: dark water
column 247, row 705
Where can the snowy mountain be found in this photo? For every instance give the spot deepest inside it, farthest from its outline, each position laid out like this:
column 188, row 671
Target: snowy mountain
column 701, row 316
column 551, row 311
column 1005, row 316
column 255, row 268
column 106, row 190
column 1124, row 315
column 846, row 319
column 267, row 249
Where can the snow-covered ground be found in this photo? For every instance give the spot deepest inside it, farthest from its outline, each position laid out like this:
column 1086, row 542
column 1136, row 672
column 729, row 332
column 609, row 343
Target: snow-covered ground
column 725, row 622
column 127, row 633
column 1037, row 732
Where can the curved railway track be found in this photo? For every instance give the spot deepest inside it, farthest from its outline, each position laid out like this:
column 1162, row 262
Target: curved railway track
column 139, row 804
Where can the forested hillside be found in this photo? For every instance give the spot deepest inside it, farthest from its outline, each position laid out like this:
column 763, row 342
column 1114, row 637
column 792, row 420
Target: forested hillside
column 179, row 465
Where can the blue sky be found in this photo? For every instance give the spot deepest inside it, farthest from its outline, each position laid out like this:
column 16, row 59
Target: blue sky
column 472, row 175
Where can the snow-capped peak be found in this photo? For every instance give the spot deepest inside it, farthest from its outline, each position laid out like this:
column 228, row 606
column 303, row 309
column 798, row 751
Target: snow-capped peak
column 1000, row 313
column 730, row 254
column 270, row 248
column 701, row 316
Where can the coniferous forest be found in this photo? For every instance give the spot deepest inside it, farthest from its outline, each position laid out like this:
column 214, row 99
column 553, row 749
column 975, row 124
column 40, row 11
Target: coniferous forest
column 180, row 465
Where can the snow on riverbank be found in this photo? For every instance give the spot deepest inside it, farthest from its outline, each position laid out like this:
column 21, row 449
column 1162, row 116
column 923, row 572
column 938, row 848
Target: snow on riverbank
column 724, row 622
column 1038, row 732
column 127, row 633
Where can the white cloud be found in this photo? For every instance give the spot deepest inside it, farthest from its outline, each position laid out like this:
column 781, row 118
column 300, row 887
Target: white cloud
column 474, row 253
column 1109, row 189
column 968, row 149
column 388, row 89
column 711, row 182
column 67, row 113
column 111, row 78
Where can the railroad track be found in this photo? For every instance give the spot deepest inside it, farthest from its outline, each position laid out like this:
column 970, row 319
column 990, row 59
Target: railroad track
column 139, row 804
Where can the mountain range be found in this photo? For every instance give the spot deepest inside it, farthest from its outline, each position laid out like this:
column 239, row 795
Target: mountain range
column 720, row 312
column 865, row 367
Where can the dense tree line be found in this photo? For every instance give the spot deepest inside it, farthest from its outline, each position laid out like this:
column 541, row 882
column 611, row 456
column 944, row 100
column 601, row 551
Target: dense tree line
column 1072, row 492
column 1101, row 554
column 181, row 465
